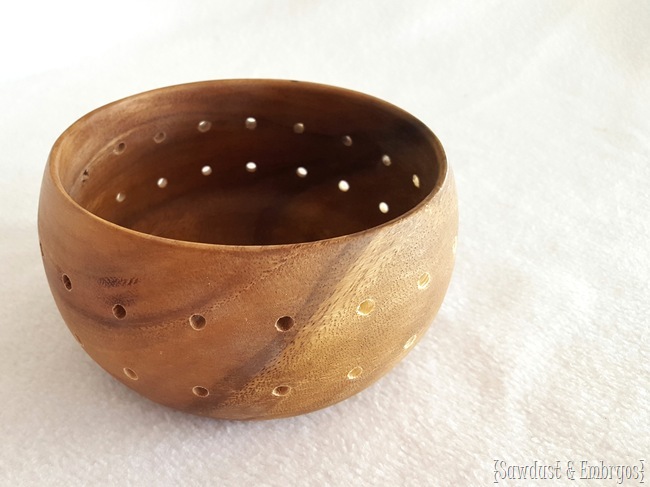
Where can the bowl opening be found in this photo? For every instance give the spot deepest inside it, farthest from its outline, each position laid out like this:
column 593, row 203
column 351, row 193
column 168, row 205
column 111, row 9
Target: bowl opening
column 248, row 162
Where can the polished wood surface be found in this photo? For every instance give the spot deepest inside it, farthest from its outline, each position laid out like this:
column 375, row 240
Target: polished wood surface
column 248, row 248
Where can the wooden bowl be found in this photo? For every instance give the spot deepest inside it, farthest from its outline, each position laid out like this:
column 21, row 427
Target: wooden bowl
column 248, row 248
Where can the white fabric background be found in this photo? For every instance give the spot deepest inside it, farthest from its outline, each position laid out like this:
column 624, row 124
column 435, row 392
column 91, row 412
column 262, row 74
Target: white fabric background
column 541, row 350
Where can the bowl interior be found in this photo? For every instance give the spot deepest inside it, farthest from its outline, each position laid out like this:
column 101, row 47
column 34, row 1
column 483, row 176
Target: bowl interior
column 248, row 162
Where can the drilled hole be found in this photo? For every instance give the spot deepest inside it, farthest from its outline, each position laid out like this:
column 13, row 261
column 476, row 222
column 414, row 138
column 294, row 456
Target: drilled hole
column 40, row 246
column 162, row 183
column 385, row 160
column 119, row 311
column 416, row 181
column 159, row 137
column 424, row 280
column 197, row 322
column 281, row 391
column 347, row 140
column 366, row 307
column 285, row 323
column 299, row 128
column 204, row 126
column 383, row 207
column 119, row 197
column 119, row 148
column 130, row 373
column 409, row 343
column 251, row 167
column 355, row 373
column 301, row 172
column 251, row 123
column 66, row 282
column 206, row 170
column 200, row 391
column 76, row 337
column 344, row 185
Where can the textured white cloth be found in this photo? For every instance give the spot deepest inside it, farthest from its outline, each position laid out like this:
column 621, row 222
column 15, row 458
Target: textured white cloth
column 541, row 350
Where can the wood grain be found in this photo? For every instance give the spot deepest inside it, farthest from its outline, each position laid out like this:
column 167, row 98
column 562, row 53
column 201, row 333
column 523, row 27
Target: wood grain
column 236, row 292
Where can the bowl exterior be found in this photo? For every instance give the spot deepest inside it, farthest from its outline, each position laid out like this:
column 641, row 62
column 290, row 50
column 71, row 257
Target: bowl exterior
column 247, row 332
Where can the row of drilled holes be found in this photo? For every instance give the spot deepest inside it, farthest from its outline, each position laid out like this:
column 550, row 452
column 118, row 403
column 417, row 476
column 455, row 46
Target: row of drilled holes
column 423, row 283
column 251, row 124
column 282, row 324
column 285, row 323
column 343, row 185
column 278, row 391
column 205, row 125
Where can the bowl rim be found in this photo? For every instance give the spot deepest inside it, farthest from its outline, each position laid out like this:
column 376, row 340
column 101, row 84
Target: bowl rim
column 54, row 166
